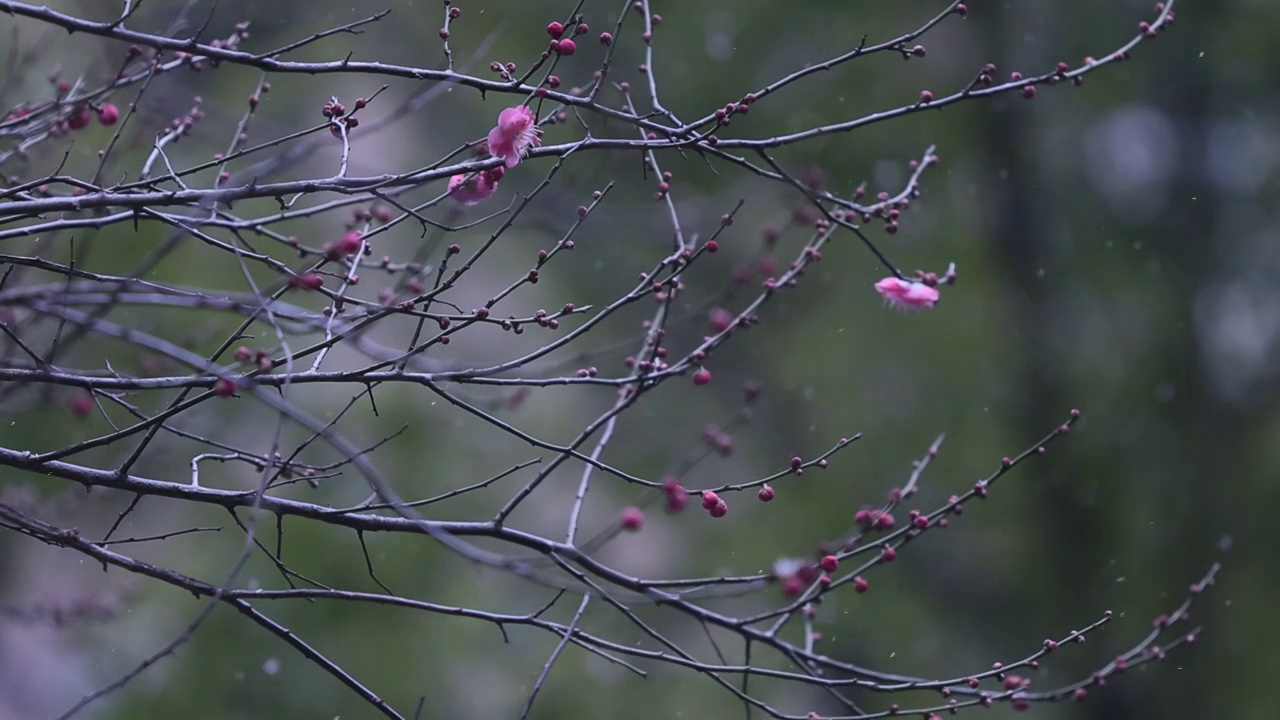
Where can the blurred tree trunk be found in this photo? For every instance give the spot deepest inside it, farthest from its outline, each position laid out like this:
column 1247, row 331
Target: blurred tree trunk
column 1208, row 433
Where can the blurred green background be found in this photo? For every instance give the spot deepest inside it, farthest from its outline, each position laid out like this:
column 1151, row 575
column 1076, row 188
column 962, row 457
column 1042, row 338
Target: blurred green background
column 1117, row 250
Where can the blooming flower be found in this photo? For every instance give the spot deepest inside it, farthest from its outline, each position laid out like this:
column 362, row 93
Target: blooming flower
column 516, row 132
column 471, row 189
column 903, row 294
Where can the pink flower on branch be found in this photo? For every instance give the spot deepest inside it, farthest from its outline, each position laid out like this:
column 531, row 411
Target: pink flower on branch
column 900, row 293
column 515, row 133
column 471, row 189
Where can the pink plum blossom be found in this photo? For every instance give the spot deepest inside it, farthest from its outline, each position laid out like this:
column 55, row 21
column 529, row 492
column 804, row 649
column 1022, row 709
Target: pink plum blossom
column 909, row 295
column 516, row 132
column 472, row 189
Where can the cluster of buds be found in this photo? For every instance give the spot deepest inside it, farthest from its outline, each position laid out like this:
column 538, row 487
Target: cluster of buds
column 181, row 126
column 562, row 42
column 741, row 107
column 258, row 356
column 336, row 113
